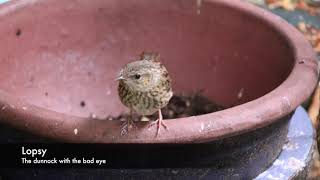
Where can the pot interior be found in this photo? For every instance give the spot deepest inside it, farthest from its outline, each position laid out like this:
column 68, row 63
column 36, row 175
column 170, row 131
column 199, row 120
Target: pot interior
column 64, row 56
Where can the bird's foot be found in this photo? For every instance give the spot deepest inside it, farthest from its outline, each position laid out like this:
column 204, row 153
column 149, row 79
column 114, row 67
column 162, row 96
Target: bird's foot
column 159, row 123
column 126, row 126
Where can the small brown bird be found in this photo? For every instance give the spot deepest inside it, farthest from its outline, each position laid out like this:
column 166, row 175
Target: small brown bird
column 145, row 87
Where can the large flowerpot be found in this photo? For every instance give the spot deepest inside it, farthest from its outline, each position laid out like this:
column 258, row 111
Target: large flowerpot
column 59, row 60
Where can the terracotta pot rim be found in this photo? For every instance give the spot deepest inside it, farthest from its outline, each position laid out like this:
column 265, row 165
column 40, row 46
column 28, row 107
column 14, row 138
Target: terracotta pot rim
column 229, row 122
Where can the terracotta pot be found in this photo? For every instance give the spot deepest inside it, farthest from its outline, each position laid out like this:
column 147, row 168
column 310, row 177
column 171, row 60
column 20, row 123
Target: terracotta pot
column 59, row 59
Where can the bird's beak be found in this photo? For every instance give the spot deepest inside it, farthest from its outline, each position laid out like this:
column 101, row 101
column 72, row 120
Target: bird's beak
column 120, row 76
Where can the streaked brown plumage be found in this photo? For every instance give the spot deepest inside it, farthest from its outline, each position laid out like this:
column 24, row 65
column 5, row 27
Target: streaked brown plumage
column 145, row 86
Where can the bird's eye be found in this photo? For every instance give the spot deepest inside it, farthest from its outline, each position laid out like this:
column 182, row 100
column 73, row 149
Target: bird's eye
column 137, row 76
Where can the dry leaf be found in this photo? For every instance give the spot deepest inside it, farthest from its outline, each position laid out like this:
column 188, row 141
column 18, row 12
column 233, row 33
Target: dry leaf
column 306, row 7
column 291, row 5
column 312, row 34
column 314, row 108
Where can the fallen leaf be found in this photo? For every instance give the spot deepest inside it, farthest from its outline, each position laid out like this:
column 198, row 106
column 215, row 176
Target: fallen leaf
column 301, row 4
column 314, row 108
column 312, row 34
column 291, row 5
column 288, row 5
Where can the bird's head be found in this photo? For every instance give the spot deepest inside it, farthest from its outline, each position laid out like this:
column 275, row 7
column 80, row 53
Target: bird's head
column 141, row 75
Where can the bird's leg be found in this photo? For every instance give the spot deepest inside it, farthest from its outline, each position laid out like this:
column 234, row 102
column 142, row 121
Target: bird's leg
column 159, row 122
column 128, row 124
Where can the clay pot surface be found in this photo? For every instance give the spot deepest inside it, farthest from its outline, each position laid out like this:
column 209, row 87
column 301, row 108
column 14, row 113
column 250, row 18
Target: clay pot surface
column 59, row 60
